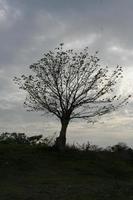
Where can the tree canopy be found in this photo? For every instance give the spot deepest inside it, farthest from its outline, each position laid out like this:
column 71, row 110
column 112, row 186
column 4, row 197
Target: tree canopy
column 70, row 85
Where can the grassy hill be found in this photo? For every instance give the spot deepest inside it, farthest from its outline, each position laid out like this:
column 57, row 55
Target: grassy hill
column 40, row 173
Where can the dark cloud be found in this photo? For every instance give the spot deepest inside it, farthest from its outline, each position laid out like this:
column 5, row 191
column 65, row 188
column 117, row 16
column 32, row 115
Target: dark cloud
column 28, row 28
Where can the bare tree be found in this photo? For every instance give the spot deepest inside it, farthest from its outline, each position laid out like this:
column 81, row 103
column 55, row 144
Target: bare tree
column 71, row 85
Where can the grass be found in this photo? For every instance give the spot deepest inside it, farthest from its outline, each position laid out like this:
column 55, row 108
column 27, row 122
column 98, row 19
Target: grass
column 40, row 173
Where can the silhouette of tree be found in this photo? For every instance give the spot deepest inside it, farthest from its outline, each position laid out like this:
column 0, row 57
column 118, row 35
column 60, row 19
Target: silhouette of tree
column 71, row 85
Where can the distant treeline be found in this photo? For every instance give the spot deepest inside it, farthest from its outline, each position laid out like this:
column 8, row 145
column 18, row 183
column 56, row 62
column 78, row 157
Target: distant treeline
column 22, row 138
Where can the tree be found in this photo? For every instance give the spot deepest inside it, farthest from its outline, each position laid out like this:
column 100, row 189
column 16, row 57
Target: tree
column 71, row 85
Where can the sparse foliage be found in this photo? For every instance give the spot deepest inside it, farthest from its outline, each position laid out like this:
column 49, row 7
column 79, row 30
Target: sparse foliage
column 71, row 85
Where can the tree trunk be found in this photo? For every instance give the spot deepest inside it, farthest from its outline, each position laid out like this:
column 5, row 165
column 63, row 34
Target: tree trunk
column 61, row 140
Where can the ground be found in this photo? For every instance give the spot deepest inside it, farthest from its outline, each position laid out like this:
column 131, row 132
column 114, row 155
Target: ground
column 38, row 173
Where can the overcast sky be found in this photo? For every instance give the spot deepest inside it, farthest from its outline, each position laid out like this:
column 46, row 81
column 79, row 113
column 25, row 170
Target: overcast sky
column 28, row 28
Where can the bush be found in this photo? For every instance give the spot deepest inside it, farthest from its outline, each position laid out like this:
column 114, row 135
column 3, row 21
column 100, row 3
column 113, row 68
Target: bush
column 120, row 147
column 21, row 138
column 13, row 138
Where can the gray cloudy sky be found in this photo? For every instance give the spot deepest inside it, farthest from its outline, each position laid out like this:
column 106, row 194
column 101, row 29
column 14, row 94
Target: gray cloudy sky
column 30, row 28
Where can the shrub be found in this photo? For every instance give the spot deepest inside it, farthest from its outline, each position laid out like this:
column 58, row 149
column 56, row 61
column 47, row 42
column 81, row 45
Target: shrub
column 22, row 138
column 120, row 147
